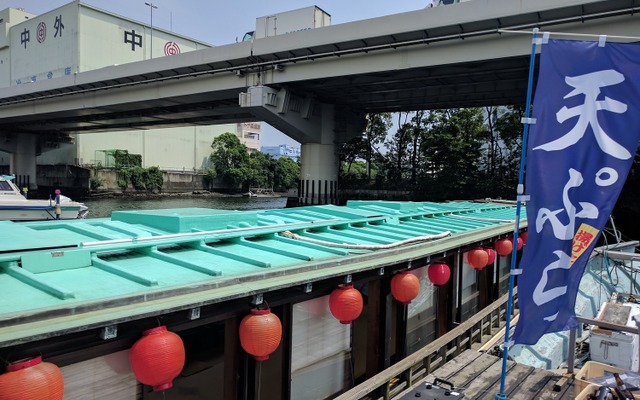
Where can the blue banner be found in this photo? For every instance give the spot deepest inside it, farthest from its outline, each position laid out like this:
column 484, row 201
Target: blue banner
column 580, row 150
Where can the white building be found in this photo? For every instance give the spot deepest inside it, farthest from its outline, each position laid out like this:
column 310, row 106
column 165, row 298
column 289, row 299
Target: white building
column 78, row 37
column 250, row 135
column 282, row 150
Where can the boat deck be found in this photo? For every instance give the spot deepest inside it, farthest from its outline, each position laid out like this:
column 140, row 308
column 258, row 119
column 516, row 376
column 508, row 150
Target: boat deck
column 476, row 375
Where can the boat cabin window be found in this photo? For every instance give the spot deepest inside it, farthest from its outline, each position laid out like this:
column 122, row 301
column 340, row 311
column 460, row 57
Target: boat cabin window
column 5, row 186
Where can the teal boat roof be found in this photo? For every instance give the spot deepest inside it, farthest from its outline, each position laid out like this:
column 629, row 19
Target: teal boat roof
column 64, row 275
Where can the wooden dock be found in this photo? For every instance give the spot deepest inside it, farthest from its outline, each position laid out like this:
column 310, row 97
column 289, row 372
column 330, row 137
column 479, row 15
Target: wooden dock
column 477, row 376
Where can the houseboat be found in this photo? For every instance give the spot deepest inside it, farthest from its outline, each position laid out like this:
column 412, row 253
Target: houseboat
column 300, row 303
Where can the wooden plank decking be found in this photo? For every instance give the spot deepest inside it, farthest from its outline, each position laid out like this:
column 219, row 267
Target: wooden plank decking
column 477, row 376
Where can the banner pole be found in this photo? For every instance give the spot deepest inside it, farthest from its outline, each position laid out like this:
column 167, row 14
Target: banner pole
column 519, row 198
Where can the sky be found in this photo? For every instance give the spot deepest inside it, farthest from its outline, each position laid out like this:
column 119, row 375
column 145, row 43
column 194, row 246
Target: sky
column 219, row 22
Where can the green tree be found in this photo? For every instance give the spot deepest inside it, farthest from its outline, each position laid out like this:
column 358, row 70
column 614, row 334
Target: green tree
column 396, row 159
column 354, row 176
column 350, row 152
column 260, row 170
column 452, row 148
column 230, row 159
column 501, row 151
column 286, row 173
column 209, row 177
column 149, row 179
column 125, row 160
column 154, row 179
column 375, row 132
column 365, row 147
column 404, row 163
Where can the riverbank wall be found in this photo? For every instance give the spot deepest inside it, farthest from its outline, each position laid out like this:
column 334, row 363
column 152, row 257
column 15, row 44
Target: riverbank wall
column 173, row 182
column 79, row 181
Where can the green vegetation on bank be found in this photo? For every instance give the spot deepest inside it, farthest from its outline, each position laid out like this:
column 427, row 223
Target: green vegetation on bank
column 239, row 169
column 439, row 154
column 131, row 172
column 231, row 163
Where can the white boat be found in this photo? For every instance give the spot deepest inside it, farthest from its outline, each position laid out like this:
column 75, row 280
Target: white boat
column 15, row 207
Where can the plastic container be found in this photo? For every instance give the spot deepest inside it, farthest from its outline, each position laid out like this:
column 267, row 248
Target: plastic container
column 615, row 348
column 591, row 369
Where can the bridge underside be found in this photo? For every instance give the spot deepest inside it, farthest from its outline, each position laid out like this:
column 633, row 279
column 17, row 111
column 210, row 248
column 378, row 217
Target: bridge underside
column 444, row 57
column 490, row 82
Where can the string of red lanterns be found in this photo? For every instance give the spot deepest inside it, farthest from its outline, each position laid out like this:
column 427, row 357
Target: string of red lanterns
column 157, row 358
column 405, row 287
column 260, row 333
column 345, row 303
column 32, row 379
column 504, row 247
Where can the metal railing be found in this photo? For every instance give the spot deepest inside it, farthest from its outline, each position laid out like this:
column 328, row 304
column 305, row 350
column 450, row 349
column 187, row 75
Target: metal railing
column 390, row 382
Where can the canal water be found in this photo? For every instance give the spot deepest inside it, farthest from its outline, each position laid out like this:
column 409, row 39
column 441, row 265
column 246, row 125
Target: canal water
column 102, row 207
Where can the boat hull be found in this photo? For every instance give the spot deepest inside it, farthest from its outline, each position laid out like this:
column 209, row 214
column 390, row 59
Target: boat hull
column 14, row 206
column 29, row 213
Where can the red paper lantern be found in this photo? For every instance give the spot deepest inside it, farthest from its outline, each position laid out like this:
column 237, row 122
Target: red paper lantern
column 260, row 333
column 345, row 304
column 520, row 243
column 439, row 273
column 32, row 379
column 405, row 287
column 504, row 247
column 492, row 255
column 524, row 235
column 157, row 358
column 477, row 258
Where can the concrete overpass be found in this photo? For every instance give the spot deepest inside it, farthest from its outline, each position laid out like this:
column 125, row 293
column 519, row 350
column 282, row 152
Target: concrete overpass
column 315, row 86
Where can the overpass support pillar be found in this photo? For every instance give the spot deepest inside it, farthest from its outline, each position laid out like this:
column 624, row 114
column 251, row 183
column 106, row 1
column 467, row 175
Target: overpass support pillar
column 319, row 162
column 319, row 127
column 318, row 174
column 23, row 160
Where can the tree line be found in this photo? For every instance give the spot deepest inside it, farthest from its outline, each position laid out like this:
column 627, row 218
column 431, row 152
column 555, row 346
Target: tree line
column 438, row 155
column 451, row 154
column 460, row 153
